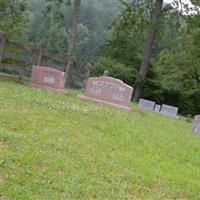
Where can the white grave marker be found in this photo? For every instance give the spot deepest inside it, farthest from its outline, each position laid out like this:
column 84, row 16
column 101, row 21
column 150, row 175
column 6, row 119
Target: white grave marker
column 170, row 111
column 146, row 104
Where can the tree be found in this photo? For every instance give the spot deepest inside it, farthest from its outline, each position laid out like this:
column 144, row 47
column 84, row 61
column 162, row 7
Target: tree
column 178, row 67
column 72, row 38
column 124, row 47
column 150, row 43
column 148, row 49
column 52, row 19
column 14, row 20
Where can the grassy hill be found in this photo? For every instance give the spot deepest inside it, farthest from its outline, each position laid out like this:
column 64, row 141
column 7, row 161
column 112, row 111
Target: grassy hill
column 60, row 147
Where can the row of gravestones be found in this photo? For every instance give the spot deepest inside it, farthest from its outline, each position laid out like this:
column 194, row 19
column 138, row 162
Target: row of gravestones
column 102, row 89
column 170, row 111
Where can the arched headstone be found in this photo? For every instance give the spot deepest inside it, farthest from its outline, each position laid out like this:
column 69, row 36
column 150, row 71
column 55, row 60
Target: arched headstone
column 108, row 90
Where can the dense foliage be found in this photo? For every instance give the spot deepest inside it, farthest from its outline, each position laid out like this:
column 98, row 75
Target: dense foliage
column 179, row 67
column 14, row 20
column 174, row 76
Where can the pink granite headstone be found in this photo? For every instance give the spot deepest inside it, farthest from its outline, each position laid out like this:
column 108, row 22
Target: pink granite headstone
column 108, row 90
column 47, row 78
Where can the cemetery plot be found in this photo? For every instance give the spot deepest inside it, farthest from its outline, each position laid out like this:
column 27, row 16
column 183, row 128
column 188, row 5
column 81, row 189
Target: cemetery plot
column 196, row 125
column 47, row 78
column 146, row 104
column 108, row 90
column 170, row 111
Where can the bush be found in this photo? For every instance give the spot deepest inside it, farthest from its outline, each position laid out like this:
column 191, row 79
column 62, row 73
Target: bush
column 126, row 73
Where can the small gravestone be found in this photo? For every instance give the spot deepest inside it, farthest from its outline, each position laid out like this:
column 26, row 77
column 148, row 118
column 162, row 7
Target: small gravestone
column 108, row 90
column 157, row 108
column 170, row 111
column 146, row 104
column 196, row 125
column 106, row 73
column 47, row 78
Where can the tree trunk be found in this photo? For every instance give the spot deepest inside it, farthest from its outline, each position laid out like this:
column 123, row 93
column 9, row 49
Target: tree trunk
column 72, row 38
column 148, row 49
column 2, row 43
column 40, row 53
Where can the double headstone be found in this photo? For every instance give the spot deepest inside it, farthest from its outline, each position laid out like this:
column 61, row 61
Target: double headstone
column 164, row 109
column 108, row 90
column 47, row 78
column 146, row 104
column 196, row 125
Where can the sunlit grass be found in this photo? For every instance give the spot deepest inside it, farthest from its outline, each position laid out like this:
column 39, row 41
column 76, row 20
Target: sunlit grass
column 60, row 147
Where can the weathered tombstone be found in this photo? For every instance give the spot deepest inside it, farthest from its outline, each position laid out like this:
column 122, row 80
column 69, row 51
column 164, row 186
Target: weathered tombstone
column 108, row 90
column 48, row 78
column 157, row 108
column 196, row 125
column 146, row 104
column 106, row 73
column 170, row 111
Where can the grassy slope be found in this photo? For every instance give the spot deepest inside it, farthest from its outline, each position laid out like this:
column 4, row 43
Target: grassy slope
column 59, row 147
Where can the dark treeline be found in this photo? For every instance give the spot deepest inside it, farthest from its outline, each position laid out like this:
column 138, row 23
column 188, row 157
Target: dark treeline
column 111, row 36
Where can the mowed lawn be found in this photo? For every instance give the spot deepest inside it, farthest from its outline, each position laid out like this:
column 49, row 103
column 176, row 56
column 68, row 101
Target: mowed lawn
column 60, row 147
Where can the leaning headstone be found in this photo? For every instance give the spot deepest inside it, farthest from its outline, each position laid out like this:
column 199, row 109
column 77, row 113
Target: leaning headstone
column 48, row 78
column 170, row 111
column 109, row 91
column 157, row 108
column 196, row 125
column 146, row 104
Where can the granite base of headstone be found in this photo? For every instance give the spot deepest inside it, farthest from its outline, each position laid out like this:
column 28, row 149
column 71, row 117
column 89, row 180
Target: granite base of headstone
column 48, row 78
column 146, row 104
column 196, row 125
column 108, row 90
column 170, row 111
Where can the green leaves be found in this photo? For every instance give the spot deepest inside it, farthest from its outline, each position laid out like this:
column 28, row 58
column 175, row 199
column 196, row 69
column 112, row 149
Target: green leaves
column 14, row 20
column 178, row 64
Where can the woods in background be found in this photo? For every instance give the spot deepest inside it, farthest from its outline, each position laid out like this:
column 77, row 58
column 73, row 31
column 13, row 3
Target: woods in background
column 112, row 36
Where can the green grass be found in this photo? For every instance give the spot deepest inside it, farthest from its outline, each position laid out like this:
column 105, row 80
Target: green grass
column 60, row 147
